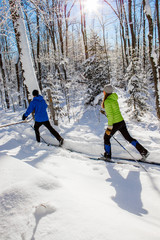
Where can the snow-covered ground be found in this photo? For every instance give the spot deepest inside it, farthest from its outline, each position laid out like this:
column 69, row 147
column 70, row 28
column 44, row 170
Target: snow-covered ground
column 51, row 193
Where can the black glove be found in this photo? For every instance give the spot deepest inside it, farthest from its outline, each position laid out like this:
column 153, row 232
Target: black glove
column 24, row 117
column 108, row 131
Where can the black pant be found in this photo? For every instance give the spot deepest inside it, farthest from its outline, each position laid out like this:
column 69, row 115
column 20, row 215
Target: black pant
column 49, row 127
column 121, row 126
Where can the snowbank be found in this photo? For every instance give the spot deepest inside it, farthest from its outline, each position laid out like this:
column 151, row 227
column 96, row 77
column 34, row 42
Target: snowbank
column 23, row 198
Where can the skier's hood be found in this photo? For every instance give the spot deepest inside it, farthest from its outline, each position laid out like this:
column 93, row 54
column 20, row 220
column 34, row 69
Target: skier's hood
column 113, row 96
column 38, row 98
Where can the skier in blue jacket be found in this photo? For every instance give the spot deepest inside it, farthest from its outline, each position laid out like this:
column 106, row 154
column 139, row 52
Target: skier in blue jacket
column 39, row 105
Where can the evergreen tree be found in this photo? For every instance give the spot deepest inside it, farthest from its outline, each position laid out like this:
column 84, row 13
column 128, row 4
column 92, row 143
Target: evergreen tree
column 96, row 69
column 118, row 79
column 137, row 88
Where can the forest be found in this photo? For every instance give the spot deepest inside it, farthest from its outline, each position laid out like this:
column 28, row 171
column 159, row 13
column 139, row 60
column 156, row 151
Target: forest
column 62, row 47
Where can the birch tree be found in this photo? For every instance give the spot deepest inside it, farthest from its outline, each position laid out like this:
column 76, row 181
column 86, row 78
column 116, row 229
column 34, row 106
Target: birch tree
column 30, row 79
column 83, row 28
column 3, row 75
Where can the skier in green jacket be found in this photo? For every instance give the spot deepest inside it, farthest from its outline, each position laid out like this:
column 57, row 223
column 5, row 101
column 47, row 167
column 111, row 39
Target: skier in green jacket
column 116, row 123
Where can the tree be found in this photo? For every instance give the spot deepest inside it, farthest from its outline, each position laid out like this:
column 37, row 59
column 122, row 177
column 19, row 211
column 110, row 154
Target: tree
column 23, row 47
column 96, row 68
column 131, row 28
column 39, row 71
column 4, row 81
column 153, row 56
column 158, row 30
column 83, row 28
column 67, row 15
column 137, row 88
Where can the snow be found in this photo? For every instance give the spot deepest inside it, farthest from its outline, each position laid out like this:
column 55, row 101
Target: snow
column 51, row 193
column 148, row 8
column 29, row 72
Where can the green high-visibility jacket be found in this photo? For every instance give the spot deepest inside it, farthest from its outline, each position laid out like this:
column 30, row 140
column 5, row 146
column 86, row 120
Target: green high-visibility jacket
column 112, row 109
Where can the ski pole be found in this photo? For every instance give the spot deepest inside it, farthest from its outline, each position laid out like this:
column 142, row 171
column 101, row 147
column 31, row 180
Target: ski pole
column 40, row 136
column 130, row 154
column 103, row 112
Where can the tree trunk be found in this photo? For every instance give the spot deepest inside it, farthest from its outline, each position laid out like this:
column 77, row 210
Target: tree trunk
column 144, row 39
column 50, row 26
column 60, row 32
column 39, row 74
column 123, row 55
column 67, row 15
column 120, row 16
column 158, row 28
column 4, row 82
column 52, row 108
column 23, row 47
column 18, row 82
column 131, row 28
column 151, row 55
column 66, row 23
column 83, row 30
column 31, row 40
column 126, row 29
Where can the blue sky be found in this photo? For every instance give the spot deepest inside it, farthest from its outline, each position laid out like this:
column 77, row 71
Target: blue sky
column 103, row 13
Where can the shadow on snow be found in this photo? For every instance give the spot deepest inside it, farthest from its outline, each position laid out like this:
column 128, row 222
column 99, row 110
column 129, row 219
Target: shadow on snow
column 128, row 191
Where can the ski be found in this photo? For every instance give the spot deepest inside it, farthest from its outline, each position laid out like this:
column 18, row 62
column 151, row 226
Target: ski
column 57, row 145
column 114, row 161
column 125, row 160
column 14, row 123
column 141, row 160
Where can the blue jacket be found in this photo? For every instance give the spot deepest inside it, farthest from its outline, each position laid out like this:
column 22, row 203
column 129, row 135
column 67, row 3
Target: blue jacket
column 39, row 105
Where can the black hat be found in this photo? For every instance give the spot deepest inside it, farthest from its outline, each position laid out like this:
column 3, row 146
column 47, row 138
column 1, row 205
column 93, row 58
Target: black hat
column 35, row 93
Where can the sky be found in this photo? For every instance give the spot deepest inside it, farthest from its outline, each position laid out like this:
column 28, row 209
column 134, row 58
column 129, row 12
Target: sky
column 98, row 12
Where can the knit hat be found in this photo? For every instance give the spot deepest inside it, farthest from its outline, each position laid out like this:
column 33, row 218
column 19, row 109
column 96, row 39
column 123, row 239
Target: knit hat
column 35, row 93
column 108, row 88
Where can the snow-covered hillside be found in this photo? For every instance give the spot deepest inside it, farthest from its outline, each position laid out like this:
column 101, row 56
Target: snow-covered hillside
column 51, row 193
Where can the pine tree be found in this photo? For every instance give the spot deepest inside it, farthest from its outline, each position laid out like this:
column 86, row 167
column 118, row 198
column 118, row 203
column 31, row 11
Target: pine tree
column 96, row 69
column 137, row 88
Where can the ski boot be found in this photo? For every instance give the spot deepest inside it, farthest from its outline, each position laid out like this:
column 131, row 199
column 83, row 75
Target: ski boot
column 61, row 142
column 144, row 155
column 107, row 157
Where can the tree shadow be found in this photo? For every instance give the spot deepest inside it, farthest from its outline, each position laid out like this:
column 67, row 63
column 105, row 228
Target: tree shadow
column 128, row 191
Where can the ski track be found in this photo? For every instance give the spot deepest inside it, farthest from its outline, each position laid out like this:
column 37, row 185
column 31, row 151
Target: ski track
column 51, row 193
